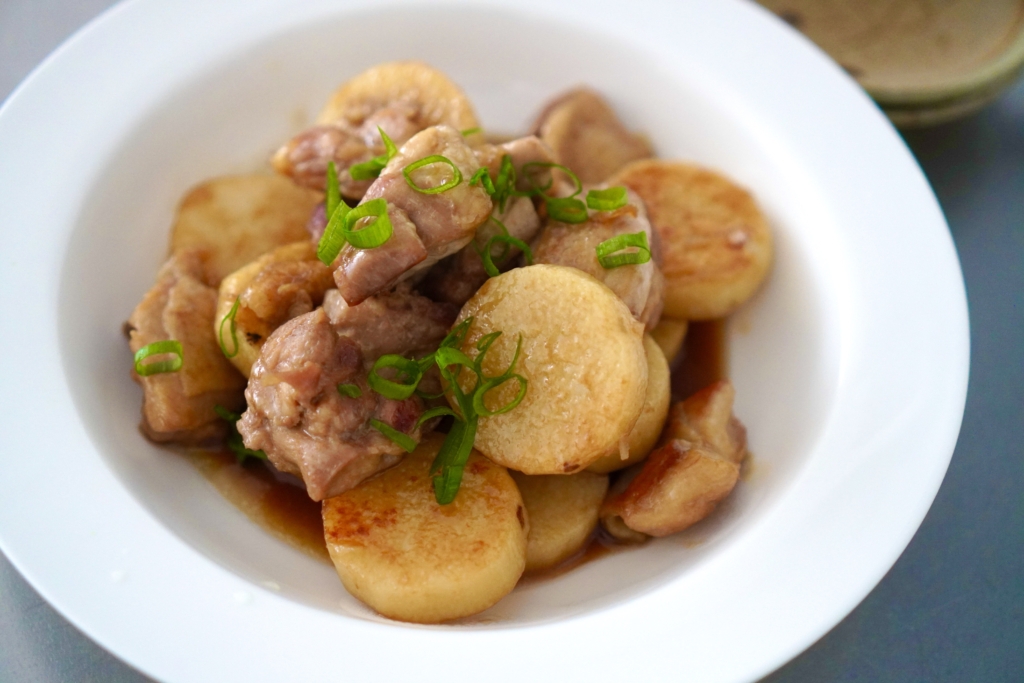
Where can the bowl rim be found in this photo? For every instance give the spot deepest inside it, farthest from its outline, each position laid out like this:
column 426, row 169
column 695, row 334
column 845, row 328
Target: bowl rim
column 771, row 641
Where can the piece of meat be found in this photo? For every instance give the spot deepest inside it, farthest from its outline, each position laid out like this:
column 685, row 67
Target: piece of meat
column 304, row 158
column 688, row 475
column 641, row 286
column 522, row 151
column 444, row 222
column 179, row 406
column 360, row 273
column 296, row 413
column 397, row 322
column 456, row 278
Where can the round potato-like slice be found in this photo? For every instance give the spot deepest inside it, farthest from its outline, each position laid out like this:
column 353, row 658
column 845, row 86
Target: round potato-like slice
column 583, row 360
column 716, row 244
column 647, row 430
column 587, row 136
column 563, row 513
column 273, row 289
column 411, row 559
column 235, row 219
column 669, row 334
column 433, row 97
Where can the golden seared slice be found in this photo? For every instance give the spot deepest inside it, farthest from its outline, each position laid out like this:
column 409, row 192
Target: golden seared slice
column 588, row 137
column 582, row 358
column 235, row 219
column 431, row 98
column 278, row 286
column 669, row 335
column 648, row 426
column 695, row 468
column 411, row 559
column 716, row 243
column 563, row 513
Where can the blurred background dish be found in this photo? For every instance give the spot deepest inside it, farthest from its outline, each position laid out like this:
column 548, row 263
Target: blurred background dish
column 924, row 62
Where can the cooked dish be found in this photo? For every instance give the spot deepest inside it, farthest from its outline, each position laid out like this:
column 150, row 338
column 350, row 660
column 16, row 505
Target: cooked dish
column 461, row 348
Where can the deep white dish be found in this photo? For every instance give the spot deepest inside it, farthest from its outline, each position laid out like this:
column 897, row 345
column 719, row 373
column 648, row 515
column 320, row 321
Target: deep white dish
column 850, row 365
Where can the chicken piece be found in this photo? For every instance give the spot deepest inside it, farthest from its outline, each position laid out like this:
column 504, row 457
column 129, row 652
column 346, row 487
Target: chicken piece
column 585, row 135
column 639, row 286
column 694, row 469
column 296, row 413
column 304, row 158
column 397, row 322
column 179, row 406
column 278, row 286
column 442, row 223
column 456, row 278
column 359, row 273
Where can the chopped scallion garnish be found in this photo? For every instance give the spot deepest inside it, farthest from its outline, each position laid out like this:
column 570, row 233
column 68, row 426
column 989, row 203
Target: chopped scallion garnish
column 529, row 171
column 230, row 317
column 483, row 177
column 372, row 234
column 336, row 210
column 566, row 209
column 368, row 170
column 608, row 199
column 472, row 131
column 608, row 258
column 407, row 443
column 169, row 346
column 234, row 441
column 427, row 161
column 486, row 254
column 350, row 390
column 408, row 369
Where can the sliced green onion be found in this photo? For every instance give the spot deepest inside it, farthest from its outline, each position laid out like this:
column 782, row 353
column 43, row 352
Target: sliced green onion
column 607, row 257
column 350, row 390
column 457, row 335
column 407, row 443
column 478, row 396
column 507, row 240
column 333, row 238
column 472, row 131
column 230, row 317
column 505, row 184
column 528, row 167
column 427, row 161
column 160, row 366
column 234, row 441
column 566, row 209
column 451, row 459
column 483, row 177
column 607, row 200
column 436, row 412
column 373, row 234
column 333, row 197
column 368, row 170
column 387, row 388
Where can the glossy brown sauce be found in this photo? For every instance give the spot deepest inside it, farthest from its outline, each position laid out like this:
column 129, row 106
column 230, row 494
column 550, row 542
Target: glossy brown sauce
column 279, row 503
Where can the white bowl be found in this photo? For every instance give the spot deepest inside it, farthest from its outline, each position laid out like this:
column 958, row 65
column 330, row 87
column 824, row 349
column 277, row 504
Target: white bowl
column 850, row 365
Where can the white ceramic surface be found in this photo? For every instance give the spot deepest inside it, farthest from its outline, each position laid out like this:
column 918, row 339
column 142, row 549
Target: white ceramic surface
column 850, row 365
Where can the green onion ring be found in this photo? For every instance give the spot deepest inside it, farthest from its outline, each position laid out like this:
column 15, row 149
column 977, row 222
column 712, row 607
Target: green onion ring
column 608, row 199
column 483, row 178
column 607, row 257
column 485, row 255
column 549, row 164
column 478, row 397
column 158, row 367
column 220, row 331
column 333, row 190
column 427, row 161
column 387, row 388
column 566, row 209
column 333, row 239
column 407, row 443
column 451, row 460
column 436, row 412
column 350, row 390
column 368, row 170
column 373, row 235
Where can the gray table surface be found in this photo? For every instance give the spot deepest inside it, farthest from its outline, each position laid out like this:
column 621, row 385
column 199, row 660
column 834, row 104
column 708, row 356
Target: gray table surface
column 951, row 609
